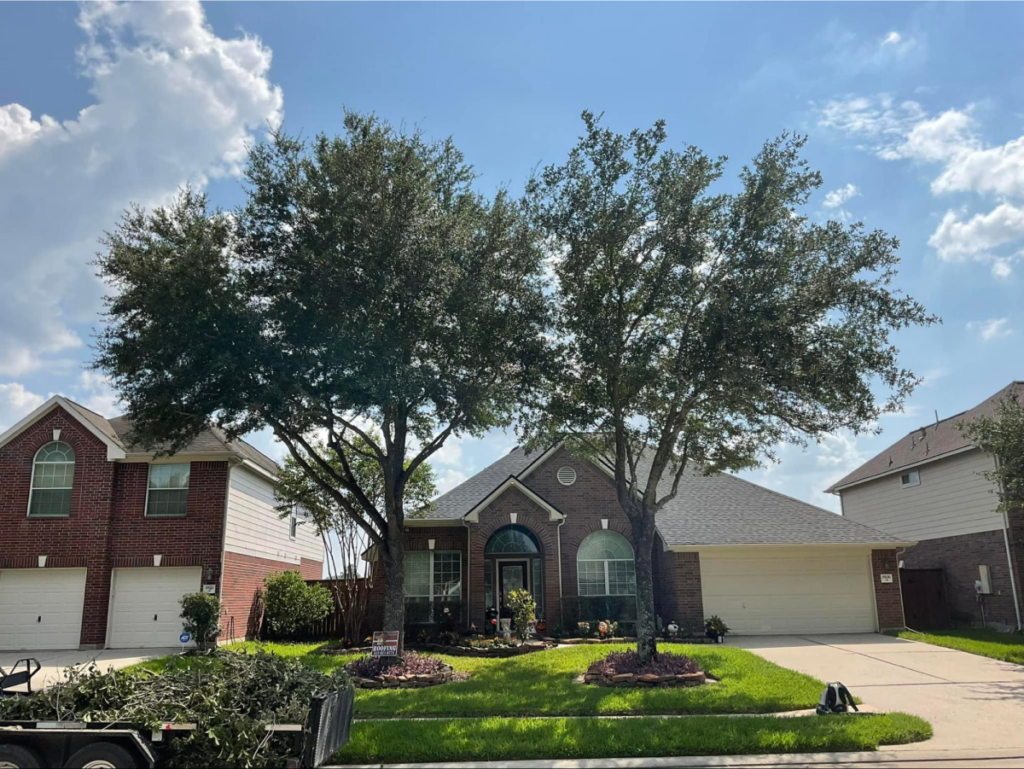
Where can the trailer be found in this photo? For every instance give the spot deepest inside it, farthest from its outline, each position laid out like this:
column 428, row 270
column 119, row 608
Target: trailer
column 85, row 745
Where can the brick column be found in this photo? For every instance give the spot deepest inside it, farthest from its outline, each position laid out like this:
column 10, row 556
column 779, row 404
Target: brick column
column 888, row 598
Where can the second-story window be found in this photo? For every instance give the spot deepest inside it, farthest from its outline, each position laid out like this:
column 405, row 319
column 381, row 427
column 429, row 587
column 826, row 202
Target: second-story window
column 293, row 523
column 913, row 478
column 168, row 491
column 53, row 476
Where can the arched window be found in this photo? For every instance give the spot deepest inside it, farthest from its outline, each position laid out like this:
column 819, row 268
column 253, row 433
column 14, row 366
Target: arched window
column 512, row 539
column 605, row 565
column 53, row 475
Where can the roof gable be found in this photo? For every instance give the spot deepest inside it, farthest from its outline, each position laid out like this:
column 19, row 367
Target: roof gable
column 90, row 420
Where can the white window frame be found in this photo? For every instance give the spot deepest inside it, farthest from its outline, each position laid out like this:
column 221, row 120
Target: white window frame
column 149, row 488
column 430, row 572
column 607, row 580
column 293, row 522
column 32, row 481
column 913, row 479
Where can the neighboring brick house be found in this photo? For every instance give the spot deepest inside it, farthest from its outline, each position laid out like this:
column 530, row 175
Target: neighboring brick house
column 550, row 522
column 930, row 486
column 99, row 540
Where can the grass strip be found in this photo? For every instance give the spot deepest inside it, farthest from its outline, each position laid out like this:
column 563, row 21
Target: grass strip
column 987, row 643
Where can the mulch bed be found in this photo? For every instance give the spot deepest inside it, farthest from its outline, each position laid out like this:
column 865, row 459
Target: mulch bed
column 493, row 652
column 624, row 669
column 609, row 640
column 410, row 671
column 417, row 681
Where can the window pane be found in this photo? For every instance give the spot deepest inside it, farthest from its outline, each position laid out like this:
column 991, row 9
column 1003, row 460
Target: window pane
column 621, row 578
column 54, row 476
column 488, row 586
column 448, row 575
column 605, row 546
column 168, row 476
column 538, row 585
column 50, row 502
column 511, row 539
column 591, row 577
column 167, row 502
column 417, row 574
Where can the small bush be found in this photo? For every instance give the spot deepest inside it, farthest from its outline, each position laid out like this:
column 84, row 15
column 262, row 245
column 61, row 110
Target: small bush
column 201, row 613
column 664, row 663
column 289, row 604
column 524, row 609
column 409, row 664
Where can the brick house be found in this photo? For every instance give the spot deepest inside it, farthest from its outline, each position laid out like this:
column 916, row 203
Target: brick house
column 99, row 539
column 929, row 486
column 550, row 522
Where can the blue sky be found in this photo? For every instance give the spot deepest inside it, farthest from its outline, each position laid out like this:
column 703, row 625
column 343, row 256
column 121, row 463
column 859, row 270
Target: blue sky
column 915, row 115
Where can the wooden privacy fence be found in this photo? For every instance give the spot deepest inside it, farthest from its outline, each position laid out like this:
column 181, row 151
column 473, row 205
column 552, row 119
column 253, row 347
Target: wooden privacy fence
column 332, row 627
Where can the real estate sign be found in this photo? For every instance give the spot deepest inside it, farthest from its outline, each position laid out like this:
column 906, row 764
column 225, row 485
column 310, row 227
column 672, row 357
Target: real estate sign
column 385, row 643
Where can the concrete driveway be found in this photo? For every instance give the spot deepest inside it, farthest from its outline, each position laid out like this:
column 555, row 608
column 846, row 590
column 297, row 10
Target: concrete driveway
column 55, row 662
column 972, row 702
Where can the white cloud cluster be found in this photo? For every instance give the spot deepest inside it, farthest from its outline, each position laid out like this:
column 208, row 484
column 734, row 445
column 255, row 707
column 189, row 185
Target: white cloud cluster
column 836, row 199
column 993, row 328
column 905, row 131
column 172, row 103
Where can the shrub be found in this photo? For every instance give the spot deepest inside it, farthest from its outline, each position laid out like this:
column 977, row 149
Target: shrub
column 289, row 604
column 409, row 664
column 230, row 696
column 201, row 613
column 664, row 663
column 524, row 609
column 714, row 626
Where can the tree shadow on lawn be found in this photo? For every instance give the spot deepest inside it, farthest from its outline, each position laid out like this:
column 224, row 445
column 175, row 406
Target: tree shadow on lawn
column 543, row 684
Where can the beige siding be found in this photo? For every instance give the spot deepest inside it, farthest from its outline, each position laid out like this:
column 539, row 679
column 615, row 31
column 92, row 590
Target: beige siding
column 953, row 499
column 253, row 525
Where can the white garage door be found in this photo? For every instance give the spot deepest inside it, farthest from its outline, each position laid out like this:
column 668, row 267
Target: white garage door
column 41, row 608
column 762, row 591
column 145, row 608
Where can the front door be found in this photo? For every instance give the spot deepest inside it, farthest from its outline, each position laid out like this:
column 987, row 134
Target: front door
column 512, row 575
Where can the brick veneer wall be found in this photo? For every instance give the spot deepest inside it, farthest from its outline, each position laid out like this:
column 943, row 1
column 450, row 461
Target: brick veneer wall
column 959, row 558
column 240, row 609
column 684, row 601
column 888, row 598
column 107, row 527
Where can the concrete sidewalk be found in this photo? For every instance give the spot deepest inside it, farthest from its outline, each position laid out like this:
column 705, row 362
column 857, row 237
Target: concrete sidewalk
column 55, row 662
column 972, row 702
column 904, row 759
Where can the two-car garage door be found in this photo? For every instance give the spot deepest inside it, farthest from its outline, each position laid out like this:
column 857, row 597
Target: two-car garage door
column 768, row 590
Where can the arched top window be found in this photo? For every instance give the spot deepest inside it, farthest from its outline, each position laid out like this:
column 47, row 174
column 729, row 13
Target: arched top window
column 605, row 566
column 512, row 539
column 53, row 476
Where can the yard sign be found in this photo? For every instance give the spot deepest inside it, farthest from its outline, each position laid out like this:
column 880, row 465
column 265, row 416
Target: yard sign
column 385, row 643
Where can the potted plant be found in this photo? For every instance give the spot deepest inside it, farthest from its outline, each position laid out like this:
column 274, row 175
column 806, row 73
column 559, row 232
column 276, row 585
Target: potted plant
column 715, row 629
column 584, row 629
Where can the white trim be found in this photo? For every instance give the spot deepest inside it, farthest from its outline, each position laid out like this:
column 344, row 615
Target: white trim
column 32, row 479
column 149, row 488
column 913, row 479
column 902, row 468
column 870, row 545
column 511, row 482
column 114, row 450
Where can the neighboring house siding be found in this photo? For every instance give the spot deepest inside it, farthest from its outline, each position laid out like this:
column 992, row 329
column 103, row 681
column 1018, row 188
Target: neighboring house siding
column 255, row 528
column 953, row 498
column 257, row 544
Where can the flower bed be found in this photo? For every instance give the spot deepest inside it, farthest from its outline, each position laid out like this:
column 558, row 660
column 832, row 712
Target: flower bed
column 624, row 669
column 608, row 640
column 493, row 651
column 411, row 671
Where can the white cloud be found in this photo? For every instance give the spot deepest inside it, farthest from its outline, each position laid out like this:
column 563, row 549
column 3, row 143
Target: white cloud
column 951, row 139
column 15, row 403
column 993, row 328
column 449, row 479
column 893, row 38
column 836, row 198
column 450, row 453
column 95, row 392
column 172, row 103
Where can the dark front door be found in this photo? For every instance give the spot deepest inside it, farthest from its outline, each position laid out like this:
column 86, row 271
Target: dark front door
column 924, row 598
column 512, row 575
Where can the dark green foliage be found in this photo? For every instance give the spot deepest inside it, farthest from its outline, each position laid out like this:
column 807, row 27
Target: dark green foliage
column 290, row 604
column 1002, row 436
column 705, row 328
column 231, row 697
column 524, row 611
column 201, row 613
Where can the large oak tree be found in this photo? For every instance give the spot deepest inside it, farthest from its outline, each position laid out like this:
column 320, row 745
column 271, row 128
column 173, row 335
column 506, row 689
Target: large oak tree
column 699, row 329
column 363, row 286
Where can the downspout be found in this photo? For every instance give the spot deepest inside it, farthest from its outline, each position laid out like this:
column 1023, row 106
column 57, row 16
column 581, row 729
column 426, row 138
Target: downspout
column 561, row 593
column 469, row 571
column 1009, row 553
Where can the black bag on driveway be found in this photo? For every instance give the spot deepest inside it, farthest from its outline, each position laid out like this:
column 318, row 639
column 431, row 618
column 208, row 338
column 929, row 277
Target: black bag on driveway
column 835, row 699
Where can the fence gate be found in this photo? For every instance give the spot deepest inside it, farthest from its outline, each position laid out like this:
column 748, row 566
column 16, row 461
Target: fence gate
column 924, row 599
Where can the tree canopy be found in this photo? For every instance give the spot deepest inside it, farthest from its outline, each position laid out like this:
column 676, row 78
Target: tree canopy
column 1002, row 435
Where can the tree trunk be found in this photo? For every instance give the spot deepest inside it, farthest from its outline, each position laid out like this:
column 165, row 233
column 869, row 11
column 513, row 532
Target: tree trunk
column 646, row 625
column 394, row 583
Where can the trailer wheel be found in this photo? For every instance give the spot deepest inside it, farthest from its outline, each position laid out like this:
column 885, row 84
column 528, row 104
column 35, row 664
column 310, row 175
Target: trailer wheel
column 101, row 755
column 17, row 757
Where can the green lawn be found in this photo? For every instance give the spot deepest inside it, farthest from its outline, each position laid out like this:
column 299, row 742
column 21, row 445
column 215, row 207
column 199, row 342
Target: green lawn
column 988, row 643
column 560, row 738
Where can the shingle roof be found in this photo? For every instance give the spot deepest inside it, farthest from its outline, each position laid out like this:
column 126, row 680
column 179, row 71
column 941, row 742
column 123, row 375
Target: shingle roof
column 927, row 443
column 717, row 509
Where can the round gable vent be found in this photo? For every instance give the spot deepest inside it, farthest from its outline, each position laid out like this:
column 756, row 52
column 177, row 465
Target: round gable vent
column 566, row 476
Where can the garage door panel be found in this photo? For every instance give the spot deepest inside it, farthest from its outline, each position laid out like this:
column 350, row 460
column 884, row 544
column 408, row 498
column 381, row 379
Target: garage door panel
column 41, row 608
column 146, row 605
column 789, row 591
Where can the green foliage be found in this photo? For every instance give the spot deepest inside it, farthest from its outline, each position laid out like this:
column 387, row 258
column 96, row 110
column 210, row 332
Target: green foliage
column 1002, row 435
column 491, row 739
column 290, row 604
column 524, row 611
column 230, row 696
column 201, row 613
column 715, row 625
column 1008, row 647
